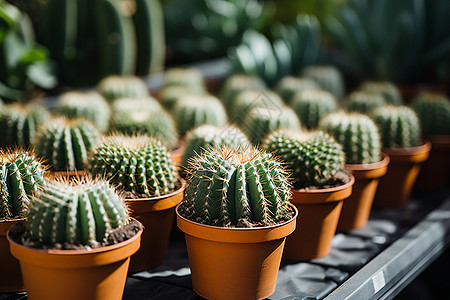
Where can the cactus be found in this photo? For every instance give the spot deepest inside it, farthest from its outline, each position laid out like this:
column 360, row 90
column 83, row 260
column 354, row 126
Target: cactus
column 127, row 105
column 190, row 78
column 313, row 157
column 19, row 124
column 387, row 89
column 363, row 102
column 137, row 164
column 21, row 175
column 192, row 111
column 260, row 121
column 77, row 212
column 64, row 144
column 206, row 135
column 357, row 134
column 327, row 77
column 114, row 87
column 433, row 111
column 231, row 187
column 236, row 84
column 288, row 86
column 89, row 105
column 170, row 95
column 312, row 105
column 399, row 126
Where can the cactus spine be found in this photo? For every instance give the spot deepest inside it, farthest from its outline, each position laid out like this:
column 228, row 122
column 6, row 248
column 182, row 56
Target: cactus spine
column 363, row 102
column 327, row 77
column 433, row 111
column 288, row 86
column 387, row 89
column 115, row 87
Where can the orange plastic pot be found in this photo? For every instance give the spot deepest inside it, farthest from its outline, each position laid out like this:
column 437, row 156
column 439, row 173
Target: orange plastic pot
column 234, row 263
column 157, row 214
column 98, row 273
column 356, row 209
column 395, row 187
column 319, row 212
column 10, row 274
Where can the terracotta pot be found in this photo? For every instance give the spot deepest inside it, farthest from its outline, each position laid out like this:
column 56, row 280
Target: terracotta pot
column 98, row 273
column 356, row 209
column 10, row 274
column 395, row 187
column 234, row 263
column 435, row 172
column 157, row 214
column 319, row 212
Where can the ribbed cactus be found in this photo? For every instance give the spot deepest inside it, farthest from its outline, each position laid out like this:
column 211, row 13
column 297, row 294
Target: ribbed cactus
column 125, row 105
column 358, row 135
column 77, row 212
column 290, row 85
column 89, row 105
column 206, row 135
column 387, row 89
column 363, row 102
column 237, row 83
column 21, row 175
column 433, row 111
column 232, row 187
column 190, row 78
column 261, row 120
column 327, row 77
column 19, row 124
column 399, row 126
column 192, row 111
column 170, row 95
column 246, row 100
column 312, row 105
column 115, row 87
column 64, row 144
column 313, row 157
column 137, row 164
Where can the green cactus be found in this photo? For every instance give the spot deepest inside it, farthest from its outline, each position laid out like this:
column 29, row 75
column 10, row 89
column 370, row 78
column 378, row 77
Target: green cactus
column 312, row 105
column 76, row 212
column 89, row 105
column 137, row 164
column 206, row 135
column 19, row 124
column 288, row 86
column 64, row 144
column 327, row 77
column 387, row 89
column 358, row 135
column 128, row 105
column 260, row 121
column 236, row 84
column 433, row 111
column 115, row 87
column 231, row 187
column 192, row 111
column 170, row 95
column 313, row 157
column 190, row 78
column 363, row 102
column 21, row 175
column 399, row 126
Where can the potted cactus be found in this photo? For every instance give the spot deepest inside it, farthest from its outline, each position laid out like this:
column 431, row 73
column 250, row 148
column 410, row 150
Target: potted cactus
column 141, row 167
column 388, row 90
column 320, row 186
column 363, row 102
column 401, row 139
column 235, row 216
column 361, row 142
column 75, row 242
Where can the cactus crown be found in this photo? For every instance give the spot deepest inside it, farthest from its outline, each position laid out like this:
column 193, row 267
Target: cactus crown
column 357, row 134
column 399, row 126
column 327, row 77
column 76, row 212
column 21, row 175
column 190, row 78
column 387, row 89
column 114, row 87
column 170, row 95
column 288, row 86
column 433, row 111
column 313, row 157
column 363, row 102
column 233, row 186
column 137, row 164
column 238, row 83
column 248, row 99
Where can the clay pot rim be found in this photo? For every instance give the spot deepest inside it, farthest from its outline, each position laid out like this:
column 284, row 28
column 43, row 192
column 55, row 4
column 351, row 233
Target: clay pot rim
column 439, row 139
column 327, row 190
column 373, row 170
column 156, row 198
column 409, row 151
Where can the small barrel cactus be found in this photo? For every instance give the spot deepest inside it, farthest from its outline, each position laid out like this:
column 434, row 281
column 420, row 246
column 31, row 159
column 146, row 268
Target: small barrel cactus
column 433, row 111
column 327, row 77
column 190, row 78
column 399, row 126
column 115, row 87
column 19, row 124
column 21, row 175
column 312, row 105
column 313, row 157
column 198, row 139
column 192, row 111
column 137, row 164
column 245, row 101
column 124, row 105
column 89, row 105
column 363, row 102
column 232, row 187
column 78, row 213
column 358, row 135
column 64, row 144
column 170, row 95
column 290, row 85
column 387, row 89
column 237, row 83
